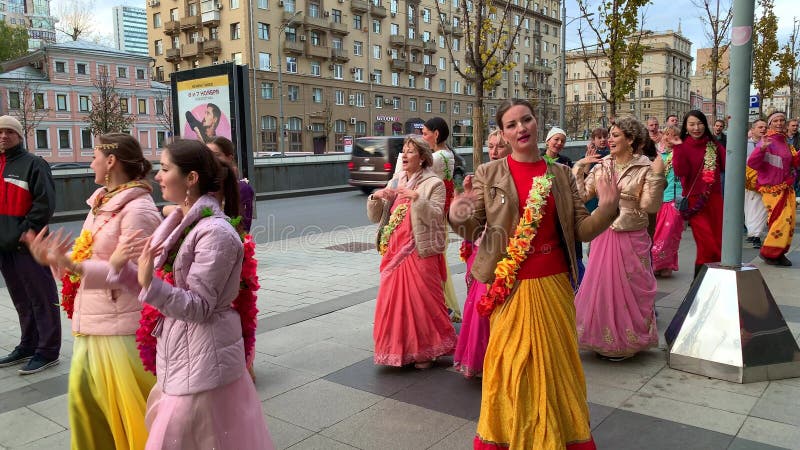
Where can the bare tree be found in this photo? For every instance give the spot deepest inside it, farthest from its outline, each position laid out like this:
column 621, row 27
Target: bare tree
column 26, row 103
column 717, row 34
column 489, row 34
column 615, row 32
column 765, row 51
column 108, row 114
column 76, row 18
column 789, row 62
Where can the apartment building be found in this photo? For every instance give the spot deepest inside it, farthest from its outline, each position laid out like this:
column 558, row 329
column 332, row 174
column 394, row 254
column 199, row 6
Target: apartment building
column 662, row 87
column 33, row 15
column 130, row 29
column 52, row 89
column 351, row 67
column 701, row 83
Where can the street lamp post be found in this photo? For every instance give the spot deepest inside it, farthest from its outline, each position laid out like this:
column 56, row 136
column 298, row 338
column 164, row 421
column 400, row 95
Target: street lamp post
column 281, row 30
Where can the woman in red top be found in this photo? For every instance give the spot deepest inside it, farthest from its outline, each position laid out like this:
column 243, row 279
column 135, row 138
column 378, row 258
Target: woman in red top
column 698, row 161
column 534, row 393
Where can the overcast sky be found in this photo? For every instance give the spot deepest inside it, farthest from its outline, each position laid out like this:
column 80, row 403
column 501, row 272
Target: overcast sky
column 660, row 16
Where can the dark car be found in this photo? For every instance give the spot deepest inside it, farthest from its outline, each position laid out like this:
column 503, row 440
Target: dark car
column 374, row 158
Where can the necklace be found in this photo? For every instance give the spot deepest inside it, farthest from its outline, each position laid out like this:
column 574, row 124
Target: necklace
column 621, row 167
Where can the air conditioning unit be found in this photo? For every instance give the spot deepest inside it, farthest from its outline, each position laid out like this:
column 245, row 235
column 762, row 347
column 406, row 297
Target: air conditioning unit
column 153, row 3
column 353, row 70
column 280, row 3
column 214, row 63
column 393, row 14
column 218, row 6
column 326, row 14
column 330, row 67
column 201, row 39
column 309, row 127
column 388, row 101
column 353, row 121
column 341, row 1
column 303, row 38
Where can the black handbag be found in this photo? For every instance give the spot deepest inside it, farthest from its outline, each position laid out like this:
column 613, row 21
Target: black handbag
column 682, row 203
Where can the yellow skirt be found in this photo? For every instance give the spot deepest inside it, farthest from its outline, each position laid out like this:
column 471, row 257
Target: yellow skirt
column 108, row 389
column 534, row 391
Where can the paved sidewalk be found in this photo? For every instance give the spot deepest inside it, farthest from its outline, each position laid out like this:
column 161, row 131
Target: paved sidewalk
column 320, row 389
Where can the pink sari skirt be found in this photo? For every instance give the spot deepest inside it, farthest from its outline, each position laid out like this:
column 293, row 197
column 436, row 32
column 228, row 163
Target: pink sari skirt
column 615, row 303
column 411, row 320
column 474, row 335
column 667, row 238
column 228, row 417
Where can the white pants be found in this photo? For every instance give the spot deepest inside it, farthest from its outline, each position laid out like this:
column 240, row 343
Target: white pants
column 755, row 214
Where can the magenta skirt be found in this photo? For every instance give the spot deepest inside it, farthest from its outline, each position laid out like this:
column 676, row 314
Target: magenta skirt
column 614, row 305
column 667, row 238
column 228, row 417
column 474, row 335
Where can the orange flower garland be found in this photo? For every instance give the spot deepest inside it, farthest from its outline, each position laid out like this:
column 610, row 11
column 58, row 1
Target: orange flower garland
column 505, row 274
column 71, row 282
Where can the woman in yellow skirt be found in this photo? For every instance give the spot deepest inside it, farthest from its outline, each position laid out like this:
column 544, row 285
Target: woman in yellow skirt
column 534, row 392
column 108, row 385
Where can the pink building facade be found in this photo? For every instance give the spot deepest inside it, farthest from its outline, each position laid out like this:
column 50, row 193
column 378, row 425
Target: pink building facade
column 52, row 89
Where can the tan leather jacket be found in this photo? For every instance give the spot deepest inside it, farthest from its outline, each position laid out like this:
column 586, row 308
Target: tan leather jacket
column 641, row 192
column 497, row 209
column 427, row 216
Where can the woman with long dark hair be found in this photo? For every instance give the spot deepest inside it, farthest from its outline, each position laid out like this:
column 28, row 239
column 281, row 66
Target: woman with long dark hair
column 534, row 392
column 224, row 149
column 698, row 160
column 108, row 385
column 190, row 272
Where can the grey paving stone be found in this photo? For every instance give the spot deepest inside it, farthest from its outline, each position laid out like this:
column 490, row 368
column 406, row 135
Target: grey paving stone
column 285, row 434
column 319, row 404
column 54, row 409
column 770, row 432
column 685, row 413
column 56, row 441
column 624, row 430
column 380, row 380
column 272, row 379
column 322, row 358
column 318, row 442
column 458, row 440
column 779, row 403
column 703, row 391
column 23, row 426
column 446, row 392
column 598, row 413
column 744, row 444
column 393, row 425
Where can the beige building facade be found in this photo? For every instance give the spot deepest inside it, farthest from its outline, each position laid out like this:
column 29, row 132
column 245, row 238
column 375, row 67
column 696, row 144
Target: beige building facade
column 701, row 83
column 662, row 87
column 352, row 67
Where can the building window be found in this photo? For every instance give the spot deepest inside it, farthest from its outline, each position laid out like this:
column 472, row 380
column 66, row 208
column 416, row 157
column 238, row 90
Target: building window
column 263, row 4
column 291, row 64
column 83, row 103
column 236, row 57
column 157, row 20
column 378, row 101
column 41, row 140
column 236, row 31
column 38, row 100
column 13, row 100
column 456, row 107
column 140, row 74
column 337, row 15
column 442, row 107
column 339, row 129
column 426, row 15
column 412, row 81
column 294, row 93
column 357, row 21
column 338, row 71
column 395, row 79
column 442, row 85
column 360, row 97
column 428, row 106
column 266, row 90
column 122, row 72
column 412, row 104
column 376, row 51
column 158, row 47
column 141, row 105
column 396, row 102
column 315, row 69
column 234, row 4
column 86, row 138
column 359, row 75
column 263, row 31
column 295, row 134
column 358, row 48
column 160, row 107
column 269, row 133
column 63, row 139
column 338, row 96
column 161, row 137
column 61, row 67
column 264, row 61
column 376, row 26
column 377, row 76
column 61, row 102
column 123, row 105
column 316, row 95
column 160, row 73
column 315, row 39
column 80, row 68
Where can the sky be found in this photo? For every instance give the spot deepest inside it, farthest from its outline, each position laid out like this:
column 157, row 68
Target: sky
column 659, row 16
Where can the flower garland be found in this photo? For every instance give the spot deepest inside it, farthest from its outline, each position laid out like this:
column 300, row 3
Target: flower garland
column 668, row 164
column 709, row 163
column 466, row 249
column 518, row 246
column 71, row 282
column 395, row 219
column 244, row 303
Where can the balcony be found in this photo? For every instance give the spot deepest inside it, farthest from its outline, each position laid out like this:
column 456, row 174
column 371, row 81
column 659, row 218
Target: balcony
column 457, row 31
column 415, row 44
column 294, row 47
column 445, row 29
column 317, row 51
column 172, row 27
column 431, row 70
column 191, row 22
column 398, row 65
column 416, row 67
column 529, row 85
column 378, row 11
column 210, row 19
column 397, row 40
column 173, row 54
column 212, row 47
column 318, row 23
column 339, row 28
column 191, row 50
column 359, row 6
column 533, row 67
column 340, row 54
column 429, row 47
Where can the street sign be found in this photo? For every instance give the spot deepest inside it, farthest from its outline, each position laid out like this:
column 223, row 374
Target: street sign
column 347, row 142
column 755, row 102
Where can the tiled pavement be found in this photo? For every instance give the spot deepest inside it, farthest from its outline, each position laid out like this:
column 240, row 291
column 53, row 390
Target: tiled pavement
column 320, row 389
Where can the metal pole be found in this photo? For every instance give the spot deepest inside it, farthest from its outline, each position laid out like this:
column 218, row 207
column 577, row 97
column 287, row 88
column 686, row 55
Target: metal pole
column 738, row 101
column 562, row 107
column 280, row 92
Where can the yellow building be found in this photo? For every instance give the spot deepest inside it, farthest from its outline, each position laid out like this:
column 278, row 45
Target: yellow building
column 701, row 83
column 351, row 67
column 662, row 87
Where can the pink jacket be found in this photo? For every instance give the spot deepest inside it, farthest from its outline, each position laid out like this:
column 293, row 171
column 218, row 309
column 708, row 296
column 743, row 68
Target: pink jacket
column 100, row 309
column 774, row 162
column 200, row 344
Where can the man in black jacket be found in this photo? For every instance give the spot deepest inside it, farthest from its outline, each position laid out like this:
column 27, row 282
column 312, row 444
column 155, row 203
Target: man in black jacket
column 28, row 201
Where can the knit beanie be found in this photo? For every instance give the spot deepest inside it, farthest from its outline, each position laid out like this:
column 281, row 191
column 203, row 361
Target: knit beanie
column 554, row 131
column 11, row 124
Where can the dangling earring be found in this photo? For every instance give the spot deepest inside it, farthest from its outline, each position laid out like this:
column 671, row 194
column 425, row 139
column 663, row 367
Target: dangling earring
column 108, row 179
column 186, row 200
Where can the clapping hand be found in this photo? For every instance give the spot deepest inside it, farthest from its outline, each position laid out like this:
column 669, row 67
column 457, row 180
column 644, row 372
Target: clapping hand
column 467, row 183
column 606, row 187
column 384, row 194
column 128, row 247
column 658, row 165
column 147, row 263
column 590, row 158
column 407, row 193
column 49, row 250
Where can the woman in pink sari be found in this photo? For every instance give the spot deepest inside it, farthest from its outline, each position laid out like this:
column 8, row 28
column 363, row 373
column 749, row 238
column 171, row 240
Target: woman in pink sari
column 474, row 335
column 615, row 303
column 411, row 320
column 669, row 223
